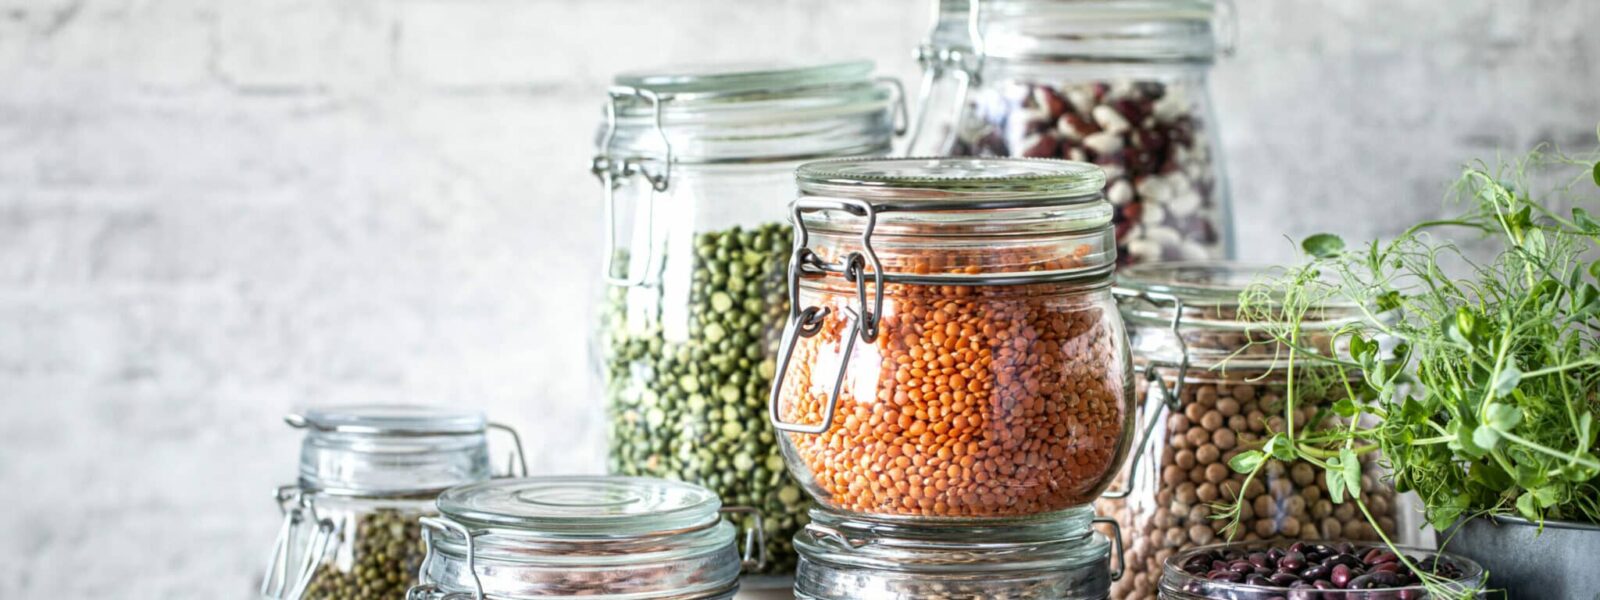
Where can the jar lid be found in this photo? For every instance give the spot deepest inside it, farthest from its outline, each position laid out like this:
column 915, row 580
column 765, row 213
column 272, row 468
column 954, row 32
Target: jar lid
column 1059, row 552
column 1142, row 30
column 390, row 449
column 582, row 505
column 985, row 221
column 616, row 538
column 1216, row 323
column 751, row 112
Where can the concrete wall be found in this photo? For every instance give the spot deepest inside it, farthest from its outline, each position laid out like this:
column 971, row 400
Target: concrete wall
column 213, row 211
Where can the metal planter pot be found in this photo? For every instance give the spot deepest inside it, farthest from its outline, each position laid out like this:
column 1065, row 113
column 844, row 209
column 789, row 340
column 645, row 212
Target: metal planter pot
column 1560, row 563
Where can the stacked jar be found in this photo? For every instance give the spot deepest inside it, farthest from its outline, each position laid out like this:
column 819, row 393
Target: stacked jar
column 1120, row 83
column 604, row 538
column 697, row 166
column 954, row 386
column 1216, row 385
column 367, row 474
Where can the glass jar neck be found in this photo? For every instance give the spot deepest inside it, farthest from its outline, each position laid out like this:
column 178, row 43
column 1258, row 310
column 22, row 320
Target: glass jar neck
column 376, row 465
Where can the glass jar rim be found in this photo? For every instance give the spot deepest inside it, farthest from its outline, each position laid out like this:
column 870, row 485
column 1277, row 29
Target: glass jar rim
column 390, row 419
column 583, row 506
column 695, row 81
column 1213, row 285
column 1058, row 540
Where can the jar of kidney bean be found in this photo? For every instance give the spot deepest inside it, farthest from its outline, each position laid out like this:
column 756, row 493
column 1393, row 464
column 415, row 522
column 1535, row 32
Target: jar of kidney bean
column 1276, row 570
column 953, row 349
column 1215, row 384
column 1120, row 83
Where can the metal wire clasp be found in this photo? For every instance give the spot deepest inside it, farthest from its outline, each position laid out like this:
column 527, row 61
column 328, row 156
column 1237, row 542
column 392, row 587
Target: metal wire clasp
column 1159, row 397
column 613, row 172
column 807, row 322
column 964, row 64
column 755, row 538
column 1119, row 548
column 429, row 590
column 299, row 510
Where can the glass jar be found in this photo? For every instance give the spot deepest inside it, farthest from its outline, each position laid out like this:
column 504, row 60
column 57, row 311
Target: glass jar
column 1120, row 83
column 1194, row 574
column 953, row 348
column 617, row 538
column 1057, row 557
column 367, row 473
column 1215, row 385
column 696, row 249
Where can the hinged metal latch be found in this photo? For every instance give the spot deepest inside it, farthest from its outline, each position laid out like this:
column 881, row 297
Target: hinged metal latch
column 614, row 171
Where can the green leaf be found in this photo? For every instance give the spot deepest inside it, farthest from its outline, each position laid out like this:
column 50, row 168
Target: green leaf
column 1352, row 469
column 1247, row 461
column 1505, row 383
column 1346, row 408
column 1525, row 505
column 1547, row 496
column 1280, row 447
column 1389, row 300
column 1584, row 221
column 1323, row 245
column 1465, row 441
column 1485, row 437
column 1503, row 417
column 1446, row 513
column 1597, row 173
column 1335, row 478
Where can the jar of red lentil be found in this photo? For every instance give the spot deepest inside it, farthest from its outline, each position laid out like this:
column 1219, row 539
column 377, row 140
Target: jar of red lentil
column 953, row 348
column 1120, row 83
column 697, row 167
column 1215, row 384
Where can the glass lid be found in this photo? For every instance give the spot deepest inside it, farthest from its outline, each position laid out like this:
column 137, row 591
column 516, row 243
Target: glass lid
column 744, row 77
column 390, row 419
column 1093, row 29
column 582, row 506
column 969, row 179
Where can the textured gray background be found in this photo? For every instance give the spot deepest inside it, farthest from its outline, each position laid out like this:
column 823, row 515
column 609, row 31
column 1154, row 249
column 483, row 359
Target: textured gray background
column 213, row 211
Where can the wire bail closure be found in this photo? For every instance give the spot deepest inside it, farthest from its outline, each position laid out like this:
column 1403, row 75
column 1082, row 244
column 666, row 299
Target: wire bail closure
column 808, row 322
column 299, row 510
column 614, row 172
column 965, row 65
column 1159, row 397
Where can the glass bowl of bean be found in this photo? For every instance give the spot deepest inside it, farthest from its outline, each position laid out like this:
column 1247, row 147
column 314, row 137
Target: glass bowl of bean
column 953, row 350
column 1305, row 570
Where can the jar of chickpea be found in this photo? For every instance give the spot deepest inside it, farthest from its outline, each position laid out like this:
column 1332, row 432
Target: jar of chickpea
column 1216, row 384
column 953, row 350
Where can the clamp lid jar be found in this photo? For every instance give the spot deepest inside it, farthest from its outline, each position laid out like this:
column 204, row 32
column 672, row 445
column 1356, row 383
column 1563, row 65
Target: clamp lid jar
column 953, row 350
column 367, row 473
column 697, row 166
column 594, row 537
column 1216, row 384
column 1120, row 83
column 1058, row 557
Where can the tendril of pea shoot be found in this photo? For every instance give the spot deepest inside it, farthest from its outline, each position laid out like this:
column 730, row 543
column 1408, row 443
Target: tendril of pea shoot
column 1477, row 381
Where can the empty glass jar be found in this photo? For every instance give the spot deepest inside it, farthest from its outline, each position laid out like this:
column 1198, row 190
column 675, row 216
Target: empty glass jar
column 697, row 166
column 606, row 538
column 1054, row 557
column 1119, row 83
column 367, row 474
column 953, row 349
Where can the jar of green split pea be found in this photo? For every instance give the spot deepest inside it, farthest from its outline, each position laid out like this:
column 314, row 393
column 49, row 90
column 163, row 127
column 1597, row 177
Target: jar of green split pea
column 697, row 168
column 368, row 473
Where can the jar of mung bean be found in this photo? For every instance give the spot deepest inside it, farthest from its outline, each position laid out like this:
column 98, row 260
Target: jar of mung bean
column 1215, row 385
column 616, row 538
column 1050, row 557
column 697, row 165
column 1120, row 83
column 367, row 474
column 953, row 349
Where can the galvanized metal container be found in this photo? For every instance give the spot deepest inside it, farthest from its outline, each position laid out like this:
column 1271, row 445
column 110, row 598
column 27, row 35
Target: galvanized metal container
column 1562, row 562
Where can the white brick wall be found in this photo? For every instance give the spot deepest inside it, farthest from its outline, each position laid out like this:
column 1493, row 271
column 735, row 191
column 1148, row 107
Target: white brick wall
column 212, row 211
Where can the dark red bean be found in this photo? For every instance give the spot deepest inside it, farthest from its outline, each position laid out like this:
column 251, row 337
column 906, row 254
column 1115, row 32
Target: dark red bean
column 1293, row 561
column 1340, row 576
